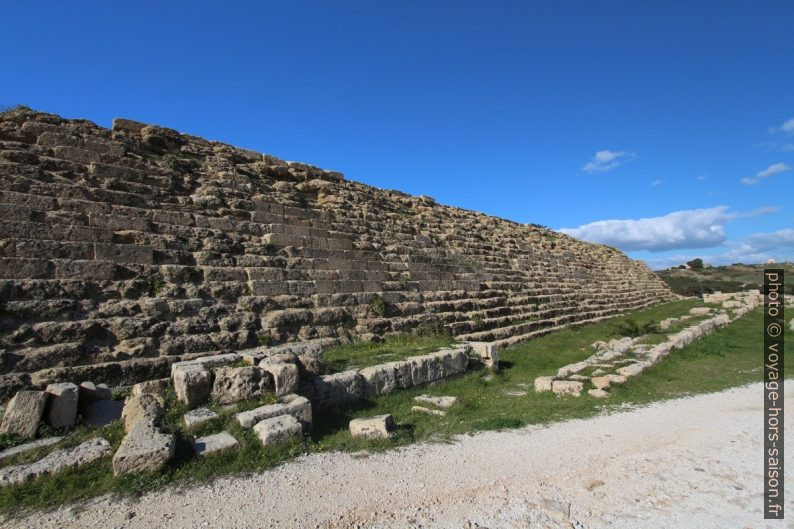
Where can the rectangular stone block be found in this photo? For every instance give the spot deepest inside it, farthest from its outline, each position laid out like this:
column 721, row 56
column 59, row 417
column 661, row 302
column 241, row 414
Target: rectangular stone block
column 23, row 414
column 298, row 407
column 124, row 253
column 62, row 411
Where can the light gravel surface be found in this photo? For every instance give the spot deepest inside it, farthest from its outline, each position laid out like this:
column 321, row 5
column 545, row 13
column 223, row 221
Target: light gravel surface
column 686, row 463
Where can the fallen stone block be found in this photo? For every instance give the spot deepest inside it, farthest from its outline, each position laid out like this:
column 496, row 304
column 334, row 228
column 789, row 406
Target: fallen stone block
column 377, row 427
column 337, row 389
column 616, row 379
column 488, row 353
column 700, row 311
column 145, row 407
column 285, row 377
column 198, row 417
column 543, row 383
column 210, row 444
column 145, row 448
column 633, row 369
column 601, row 382
column 598, row 393
column 57, row 461
column 278, row 429
column 567, row 387
column 422, row 409
column 379, row 379
column 235, row 384
column 192, row 383
column 441, row 402
column 27, row 447
column 23, row 414
column 294, row 405
column 62, row 409
column 571, row 369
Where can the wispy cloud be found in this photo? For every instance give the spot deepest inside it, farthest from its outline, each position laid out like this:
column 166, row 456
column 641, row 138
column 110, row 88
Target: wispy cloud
column 657, row 183
column 607, row 160
column 786, row 128
column 783, row 140
column 694, row 228
column 775, row 168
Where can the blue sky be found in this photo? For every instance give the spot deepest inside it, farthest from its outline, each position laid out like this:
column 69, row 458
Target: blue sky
column 663, row 128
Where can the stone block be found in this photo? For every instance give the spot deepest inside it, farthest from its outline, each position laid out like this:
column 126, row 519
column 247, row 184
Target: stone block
column 62, row 409
column 428, row 411
column 156, row 387
column 235, row 384
column 90, row 392
column 198, row 417
column 145, row 407
column 192, row 382
column 377, row 427
column 567, row 387
column 23, row 414
column 601, row 382
column 297, row 406
column 379, row 379
column 543, row 383
column 211, row 444
column 278, row 429
column 57, row 461
column 285, row 376
column 145, row 448
column 441, row 402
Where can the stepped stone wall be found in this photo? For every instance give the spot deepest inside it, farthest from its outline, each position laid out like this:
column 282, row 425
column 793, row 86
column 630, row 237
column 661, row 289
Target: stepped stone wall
column 125, row 250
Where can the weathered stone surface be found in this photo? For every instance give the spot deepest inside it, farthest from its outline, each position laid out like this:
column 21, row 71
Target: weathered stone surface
column 145, row 407
column 377, row 427
column 102, row 412
column 278, row 429
column 488, row 353
column 567, row 387
column 198, row 417
column 23, row 414
column 441, row 402
column 334, row 390
column 428, row 411
column 57, row 461
column 297, row 406
column 144, row 448
column 27, row 447
column 234, row 384
column 62, row 407
column 210, row 444
column 90, row 392
column 633, row 369
column 285, row 376
column 192, row 383
column 156, row 387
column 699, row 311
column 598, row 393
column 379, row 379
column 543, row 383
column 310, row 366
column 601, row 382
column 616, row 379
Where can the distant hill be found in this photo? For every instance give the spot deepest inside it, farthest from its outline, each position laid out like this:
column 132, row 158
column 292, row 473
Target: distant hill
column 730, row 278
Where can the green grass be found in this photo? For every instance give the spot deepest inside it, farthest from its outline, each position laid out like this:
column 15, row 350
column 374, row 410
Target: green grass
column 727, row 358
column 398, row 347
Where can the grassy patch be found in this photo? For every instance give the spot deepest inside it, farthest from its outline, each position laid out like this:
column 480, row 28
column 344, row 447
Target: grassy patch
column 363, row 354
column 728, row 357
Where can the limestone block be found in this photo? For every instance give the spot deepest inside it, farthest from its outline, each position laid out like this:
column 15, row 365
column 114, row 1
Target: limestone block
column 278, row 429
column 338, row 389
column 377, row 427
column 145, row 448
column 297, row 406
column 192, row 383
column 23, row 414
column 632, row 370
column 62, row 412
column 210, row 444
column 428, row 411
column 567, row 387
column 310, row 366
column 57, row 461
column 156, row 387
column 198, row 417
column 379, row 379
column 616, row 379
column 90, row 392
column 700, row 311
column 441, row 402
column 543, row 383
column 285, row 376
column 145, row 407
column 235, row 384
column 601, row 382
column 488, row 353
column 598, row 393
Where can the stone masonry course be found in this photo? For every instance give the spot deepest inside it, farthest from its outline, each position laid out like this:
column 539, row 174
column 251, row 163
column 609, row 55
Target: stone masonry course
column 123, row 251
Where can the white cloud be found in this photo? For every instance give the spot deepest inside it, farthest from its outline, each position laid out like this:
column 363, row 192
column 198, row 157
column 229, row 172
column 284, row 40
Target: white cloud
column 607, row 160
column 694, row 228
column 657, row 183
column 775, row 168
column 788, row 127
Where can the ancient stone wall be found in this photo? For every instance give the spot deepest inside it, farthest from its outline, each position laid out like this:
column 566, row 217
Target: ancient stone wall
column 125, row 250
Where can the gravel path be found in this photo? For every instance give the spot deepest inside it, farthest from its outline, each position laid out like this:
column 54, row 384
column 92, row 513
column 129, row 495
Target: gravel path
column 686, row 463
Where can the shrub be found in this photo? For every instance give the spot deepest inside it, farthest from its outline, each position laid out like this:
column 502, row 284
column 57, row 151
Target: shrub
column 631, row 328
column 263, row 339
column 432, row 327
column 378, row 307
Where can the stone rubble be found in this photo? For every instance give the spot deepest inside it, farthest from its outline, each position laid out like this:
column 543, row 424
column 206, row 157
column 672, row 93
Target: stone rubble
column 376, row 427
column 199, row 416
column 278, row 429
column 27, row 447
column 210, row 444
column 57, row 461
